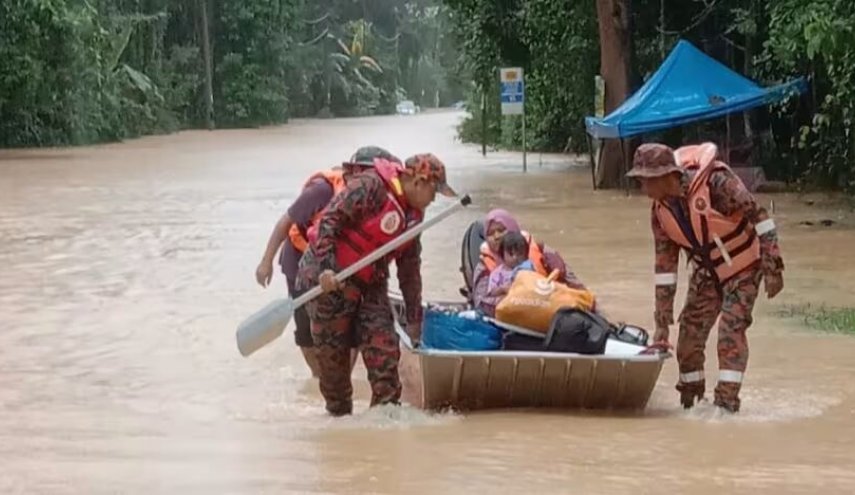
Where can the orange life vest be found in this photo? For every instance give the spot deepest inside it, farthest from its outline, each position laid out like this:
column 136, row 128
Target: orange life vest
column 723, row 245
column 335, row 178
column 535, row 255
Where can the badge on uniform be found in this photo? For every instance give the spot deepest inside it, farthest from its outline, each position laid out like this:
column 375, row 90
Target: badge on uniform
column 390, row 223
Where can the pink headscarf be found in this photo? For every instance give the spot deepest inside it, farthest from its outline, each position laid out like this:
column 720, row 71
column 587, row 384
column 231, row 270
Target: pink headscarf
column 503, row 217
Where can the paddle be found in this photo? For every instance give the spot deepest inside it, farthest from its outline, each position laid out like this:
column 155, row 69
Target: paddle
column 269, row 322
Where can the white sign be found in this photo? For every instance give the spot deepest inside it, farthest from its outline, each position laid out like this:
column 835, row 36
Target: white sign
column 512, row 90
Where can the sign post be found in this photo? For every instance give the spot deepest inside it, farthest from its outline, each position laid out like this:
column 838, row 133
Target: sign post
column 513, row 99
column 599, row 112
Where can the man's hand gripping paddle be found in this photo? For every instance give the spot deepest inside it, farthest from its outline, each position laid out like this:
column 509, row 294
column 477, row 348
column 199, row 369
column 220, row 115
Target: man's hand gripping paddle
column 269, row 322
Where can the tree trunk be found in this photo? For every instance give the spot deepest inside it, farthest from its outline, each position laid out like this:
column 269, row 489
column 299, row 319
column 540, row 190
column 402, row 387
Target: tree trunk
column 206, row 55
column 327, row 78
column 749, row 67
column 615, row 66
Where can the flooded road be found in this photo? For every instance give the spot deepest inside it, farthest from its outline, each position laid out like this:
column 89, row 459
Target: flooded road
column 127, row 268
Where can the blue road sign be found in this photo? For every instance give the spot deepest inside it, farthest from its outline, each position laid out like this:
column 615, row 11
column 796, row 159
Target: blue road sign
column 512, row 91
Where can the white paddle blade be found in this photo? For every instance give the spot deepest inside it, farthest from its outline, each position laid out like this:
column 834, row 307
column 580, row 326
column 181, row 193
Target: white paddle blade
column 264, row 326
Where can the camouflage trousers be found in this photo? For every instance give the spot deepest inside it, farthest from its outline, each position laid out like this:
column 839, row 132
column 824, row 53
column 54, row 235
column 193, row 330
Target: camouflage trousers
column 335, row 317
column 704, row 305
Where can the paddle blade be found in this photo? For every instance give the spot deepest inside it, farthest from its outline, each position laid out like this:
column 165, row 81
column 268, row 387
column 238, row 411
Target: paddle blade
column 264, row 326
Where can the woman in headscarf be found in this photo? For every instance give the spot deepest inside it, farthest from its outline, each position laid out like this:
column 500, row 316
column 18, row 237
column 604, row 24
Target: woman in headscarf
column 545, row 259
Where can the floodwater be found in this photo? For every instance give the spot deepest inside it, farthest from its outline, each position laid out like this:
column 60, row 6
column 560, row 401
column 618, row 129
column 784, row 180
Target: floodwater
column 127, row 267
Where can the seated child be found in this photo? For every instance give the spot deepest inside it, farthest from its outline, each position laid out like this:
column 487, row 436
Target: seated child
column 514, row 253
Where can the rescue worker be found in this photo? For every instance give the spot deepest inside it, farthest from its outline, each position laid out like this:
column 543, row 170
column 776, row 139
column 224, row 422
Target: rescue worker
column 290, row 234
column 702, row 207
column 375, row 207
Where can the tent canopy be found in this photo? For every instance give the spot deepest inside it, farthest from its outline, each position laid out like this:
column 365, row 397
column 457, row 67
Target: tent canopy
column 689, row 86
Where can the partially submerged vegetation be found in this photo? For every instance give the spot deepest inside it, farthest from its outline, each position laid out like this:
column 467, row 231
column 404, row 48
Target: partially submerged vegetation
column 829, row 319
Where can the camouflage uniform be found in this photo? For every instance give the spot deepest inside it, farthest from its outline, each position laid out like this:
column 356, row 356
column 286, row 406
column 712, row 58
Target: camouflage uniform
column 733, row 301
column 314, row 197
column 363, row 310
column 360, row 307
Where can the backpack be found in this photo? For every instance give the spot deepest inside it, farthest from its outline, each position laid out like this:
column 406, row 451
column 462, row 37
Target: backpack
column 576, row 331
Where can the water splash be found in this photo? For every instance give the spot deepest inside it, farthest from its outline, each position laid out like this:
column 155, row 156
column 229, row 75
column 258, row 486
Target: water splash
column 765, row 405
column 389, row 417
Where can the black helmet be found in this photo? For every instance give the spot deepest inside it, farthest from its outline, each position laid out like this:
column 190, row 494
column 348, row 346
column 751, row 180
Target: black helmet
column 365, row 156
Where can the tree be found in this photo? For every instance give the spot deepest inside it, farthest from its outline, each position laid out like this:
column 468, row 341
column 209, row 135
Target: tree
column 206, row 56
column 615, row 67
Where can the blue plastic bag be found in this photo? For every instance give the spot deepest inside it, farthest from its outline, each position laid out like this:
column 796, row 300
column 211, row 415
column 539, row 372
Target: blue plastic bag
column 451, row 332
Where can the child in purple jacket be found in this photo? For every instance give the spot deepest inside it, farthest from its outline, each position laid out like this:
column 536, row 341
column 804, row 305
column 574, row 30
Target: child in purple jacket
column 514, row 253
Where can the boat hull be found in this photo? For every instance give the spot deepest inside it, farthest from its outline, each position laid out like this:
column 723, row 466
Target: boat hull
column 482, row 380
column 476, row 380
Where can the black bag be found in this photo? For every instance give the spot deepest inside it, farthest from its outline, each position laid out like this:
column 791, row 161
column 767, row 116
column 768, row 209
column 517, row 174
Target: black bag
column 577, row 331
column 582, row 332
column 513, row 341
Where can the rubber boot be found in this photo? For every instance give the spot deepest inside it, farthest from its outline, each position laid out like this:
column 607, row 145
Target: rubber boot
column 727, row 396
column 690, row 393
column 340, row 409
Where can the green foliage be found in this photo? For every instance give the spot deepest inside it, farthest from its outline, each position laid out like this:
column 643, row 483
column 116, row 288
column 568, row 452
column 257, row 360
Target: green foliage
column 560, row 85
column 82, row 71
column 555, row 43
column 180, row 80
column 810, row 138
column 816, row 38
column 250, row 62
column 41, row 45
column 839, row 320
column 472, row 128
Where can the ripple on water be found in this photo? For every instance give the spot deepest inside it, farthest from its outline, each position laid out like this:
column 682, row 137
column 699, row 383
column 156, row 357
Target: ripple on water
column 298, row 400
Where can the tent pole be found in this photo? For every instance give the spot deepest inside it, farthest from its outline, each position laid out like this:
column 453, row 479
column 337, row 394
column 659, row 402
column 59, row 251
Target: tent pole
column 623, row 176
column 727, row 139
column 593, row 161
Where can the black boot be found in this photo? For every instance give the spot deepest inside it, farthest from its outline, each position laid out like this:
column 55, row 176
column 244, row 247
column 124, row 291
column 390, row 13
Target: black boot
column 340, row 409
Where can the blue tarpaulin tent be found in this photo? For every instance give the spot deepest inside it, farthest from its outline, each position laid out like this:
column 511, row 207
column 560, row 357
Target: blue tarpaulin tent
column 689, row 86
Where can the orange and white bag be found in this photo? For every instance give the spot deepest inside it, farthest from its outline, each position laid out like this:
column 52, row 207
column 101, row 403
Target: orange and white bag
column 533, row 300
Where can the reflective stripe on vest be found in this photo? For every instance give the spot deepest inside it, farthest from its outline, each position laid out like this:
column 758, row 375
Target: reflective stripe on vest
column 723, row 245
column 535, row 255
column 335, row 178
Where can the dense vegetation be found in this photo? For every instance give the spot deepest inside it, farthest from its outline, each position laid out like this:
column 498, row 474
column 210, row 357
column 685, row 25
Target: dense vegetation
column 557, row 43
column 81, row 71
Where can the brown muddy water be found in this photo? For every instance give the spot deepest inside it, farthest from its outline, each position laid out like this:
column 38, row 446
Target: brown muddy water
column 127, row 267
